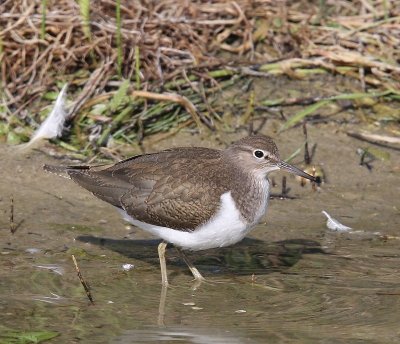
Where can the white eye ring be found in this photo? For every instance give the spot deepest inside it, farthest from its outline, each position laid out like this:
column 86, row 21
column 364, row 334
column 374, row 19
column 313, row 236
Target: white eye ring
column 259, row 154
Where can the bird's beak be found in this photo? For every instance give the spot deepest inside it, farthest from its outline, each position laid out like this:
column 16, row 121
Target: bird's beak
column 293, row 169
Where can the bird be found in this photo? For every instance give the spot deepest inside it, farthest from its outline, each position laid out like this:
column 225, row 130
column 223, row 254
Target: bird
column 195, row 198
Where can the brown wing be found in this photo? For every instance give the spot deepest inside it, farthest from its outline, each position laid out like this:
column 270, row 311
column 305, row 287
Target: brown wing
column 174, row 188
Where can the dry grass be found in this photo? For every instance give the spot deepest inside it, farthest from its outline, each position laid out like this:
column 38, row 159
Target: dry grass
column 182, row 41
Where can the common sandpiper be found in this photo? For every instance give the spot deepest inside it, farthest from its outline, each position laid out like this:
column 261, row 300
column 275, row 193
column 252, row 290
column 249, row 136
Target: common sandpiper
column 192, row 197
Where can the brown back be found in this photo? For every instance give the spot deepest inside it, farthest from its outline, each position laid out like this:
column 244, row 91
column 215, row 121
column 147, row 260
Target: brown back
column 178, row 188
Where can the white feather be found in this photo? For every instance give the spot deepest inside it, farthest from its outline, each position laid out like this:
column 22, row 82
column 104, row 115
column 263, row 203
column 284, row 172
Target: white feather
column 54, row 123
column 334, row 224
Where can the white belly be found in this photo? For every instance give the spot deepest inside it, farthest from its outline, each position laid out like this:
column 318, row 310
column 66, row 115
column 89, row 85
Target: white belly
column 225, row 228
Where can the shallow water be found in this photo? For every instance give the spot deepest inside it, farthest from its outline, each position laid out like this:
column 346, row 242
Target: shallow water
column 291, row 281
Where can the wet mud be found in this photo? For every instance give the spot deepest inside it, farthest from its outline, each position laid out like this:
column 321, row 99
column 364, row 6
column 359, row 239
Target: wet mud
column 291, row 281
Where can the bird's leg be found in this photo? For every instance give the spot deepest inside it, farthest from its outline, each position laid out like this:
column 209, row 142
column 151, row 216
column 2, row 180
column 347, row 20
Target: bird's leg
column 161, row 254
column 196, row 273
column 161, row 307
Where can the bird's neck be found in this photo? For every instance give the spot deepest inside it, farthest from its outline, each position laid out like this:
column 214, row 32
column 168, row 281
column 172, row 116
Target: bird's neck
column 251, row 196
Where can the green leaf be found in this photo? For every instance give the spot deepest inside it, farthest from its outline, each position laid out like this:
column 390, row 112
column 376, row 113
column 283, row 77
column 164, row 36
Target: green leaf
column 137, row 67
column 84, row 6
column 309, row 110
column 378, row 153
column 273, row 102
column 27, row 337
column 13, row 138
column 120, row 96
column 43, row 23
column 98, row 109
column 353, row 96
column 3, row 129
column 277, row 22
column 295, row 153
column 51, row 95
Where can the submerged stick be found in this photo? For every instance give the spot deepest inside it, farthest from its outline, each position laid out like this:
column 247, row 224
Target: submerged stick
column 13, row 227
column 284, row 188
column 84, row 284
column 307, row 157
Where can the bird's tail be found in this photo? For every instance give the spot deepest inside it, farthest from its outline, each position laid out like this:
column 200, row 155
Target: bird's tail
column 64, row 171
column 61, row 171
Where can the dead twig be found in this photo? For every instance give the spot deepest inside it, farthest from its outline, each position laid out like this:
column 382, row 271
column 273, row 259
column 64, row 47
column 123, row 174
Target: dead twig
column 91, row 86
column 83, row 282
column 378, row 140
column 176, row 98
column 12, row 223
column 307, row 157
column 285, row 190
column 174, row 35
column 13, row 226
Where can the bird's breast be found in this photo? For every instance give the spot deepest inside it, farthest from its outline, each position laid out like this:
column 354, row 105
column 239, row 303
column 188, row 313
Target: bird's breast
column 252, row 199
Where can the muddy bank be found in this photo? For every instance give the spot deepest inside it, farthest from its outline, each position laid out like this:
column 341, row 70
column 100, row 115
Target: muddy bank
column 292, row 280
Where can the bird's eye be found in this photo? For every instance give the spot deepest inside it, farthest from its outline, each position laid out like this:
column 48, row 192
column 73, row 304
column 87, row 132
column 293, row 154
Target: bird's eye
column 258, row 154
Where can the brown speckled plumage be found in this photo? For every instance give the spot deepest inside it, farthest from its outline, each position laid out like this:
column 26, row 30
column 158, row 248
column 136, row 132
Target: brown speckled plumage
column 195, row 198
column 181, row 188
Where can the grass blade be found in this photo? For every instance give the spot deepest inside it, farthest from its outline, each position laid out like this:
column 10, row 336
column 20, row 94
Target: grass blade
column 137, row 67
column 309, row 110
column 84, row 6
column 120, row 96
column 43, row 22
